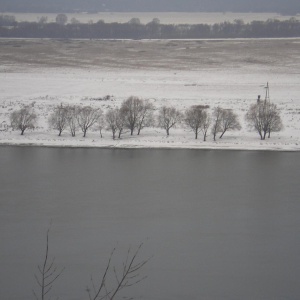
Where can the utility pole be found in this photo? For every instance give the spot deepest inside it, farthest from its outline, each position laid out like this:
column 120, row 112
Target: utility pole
column 267, row 98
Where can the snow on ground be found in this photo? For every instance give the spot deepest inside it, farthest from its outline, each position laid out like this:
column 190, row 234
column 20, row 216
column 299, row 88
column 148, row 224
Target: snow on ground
column 229, row 74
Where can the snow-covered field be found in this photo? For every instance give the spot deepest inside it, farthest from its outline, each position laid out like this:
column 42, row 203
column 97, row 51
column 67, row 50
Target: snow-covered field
column 228, row 73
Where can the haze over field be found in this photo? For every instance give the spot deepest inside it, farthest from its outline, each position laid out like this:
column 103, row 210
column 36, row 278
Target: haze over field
column 164, row 17
column 288, row 6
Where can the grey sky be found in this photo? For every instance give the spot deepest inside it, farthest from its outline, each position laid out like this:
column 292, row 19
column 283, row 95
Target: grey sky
column 283, row 6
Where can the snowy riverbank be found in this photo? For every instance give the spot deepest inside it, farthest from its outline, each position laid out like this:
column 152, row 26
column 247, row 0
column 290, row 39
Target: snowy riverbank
column 229, row 74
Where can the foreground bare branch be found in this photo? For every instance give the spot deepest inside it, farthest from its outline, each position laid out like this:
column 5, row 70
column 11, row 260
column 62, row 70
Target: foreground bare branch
column 48, row 273
column 128, row 275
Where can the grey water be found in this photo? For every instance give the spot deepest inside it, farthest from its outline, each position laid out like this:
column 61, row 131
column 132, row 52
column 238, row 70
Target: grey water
column 219, row 224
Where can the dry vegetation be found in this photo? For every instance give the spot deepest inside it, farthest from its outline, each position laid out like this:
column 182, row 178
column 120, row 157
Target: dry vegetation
column 157, row 54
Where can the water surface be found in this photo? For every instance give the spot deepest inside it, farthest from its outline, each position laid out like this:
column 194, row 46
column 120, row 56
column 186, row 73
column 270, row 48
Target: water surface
column 220, row 224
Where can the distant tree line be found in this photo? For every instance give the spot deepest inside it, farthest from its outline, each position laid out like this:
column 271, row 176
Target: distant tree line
column 135, row 114
column 134, row 29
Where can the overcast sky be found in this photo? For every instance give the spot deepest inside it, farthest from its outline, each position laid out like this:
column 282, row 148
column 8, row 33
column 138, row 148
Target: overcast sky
column 284, row 6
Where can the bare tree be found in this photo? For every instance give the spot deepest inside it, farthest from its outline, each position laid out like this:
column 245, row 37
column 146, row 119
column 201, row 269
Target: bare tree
column 23, row 119
column 256, row 119
column 205, row 124
column 72, row 112
column 145, row 117
column 120, row 121
column 116, row 120
column 135, row 21
column 101, row 124
column 275, row 122
column 216, row 122
column 58, row 119
column 127, row 276
column 48, row 273
column 131, row 109
column 111, row 120
column 197, row 119
column 169, row 117
column 42, row 20
column 75, row 21
column 264, row 117
column 229, row 121
column 87, row 116
column 61, row 19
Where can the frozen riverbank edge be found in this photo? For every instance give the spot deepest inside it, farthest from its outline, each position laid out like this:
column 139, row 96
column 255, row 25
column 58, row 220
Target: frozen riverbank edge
column 124, row 146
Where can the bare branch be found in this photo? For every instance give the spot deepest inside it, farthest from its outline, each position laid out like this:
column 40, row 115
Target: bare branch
column 97, row 291
column 87, row 116
column 198, row 119
column 169, row 117
column 48, row 273
column 35, row 296
column 128, row 276
column 264, row 117
column 58, row 120
column 23, row 119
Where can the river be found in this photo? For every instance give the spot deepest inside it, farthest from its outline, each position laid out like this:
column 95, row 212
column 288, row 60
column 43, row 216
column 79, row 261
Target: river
column 219, row 224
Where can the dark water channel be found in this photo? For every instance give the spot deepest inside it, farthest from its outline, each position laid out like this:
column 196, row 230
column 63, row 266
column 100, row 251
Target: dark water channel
column 219, row 224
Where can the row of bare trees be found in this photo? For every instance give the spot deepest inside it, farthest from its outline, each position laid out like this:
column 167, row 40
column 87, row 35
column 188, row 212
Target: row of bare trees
column 199, row 120
column 74, row 117
column 135, row 114
column 263, row 117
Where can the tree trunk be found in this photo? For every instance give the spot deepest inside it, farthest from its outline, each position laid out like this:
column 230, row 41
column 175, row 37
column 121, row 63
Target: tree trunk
column 84, row 133
column 222, row 134
column 204, row 138
column 196, row 134
column 265, row 133
column 22, row 131
column 259, row 132
column 167, row 131
column 120, row 132
column 59, row 134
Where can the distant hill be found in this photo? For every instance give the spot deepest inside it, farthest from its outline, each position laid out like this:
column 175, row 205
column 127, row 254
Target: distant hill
column 54, row 6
